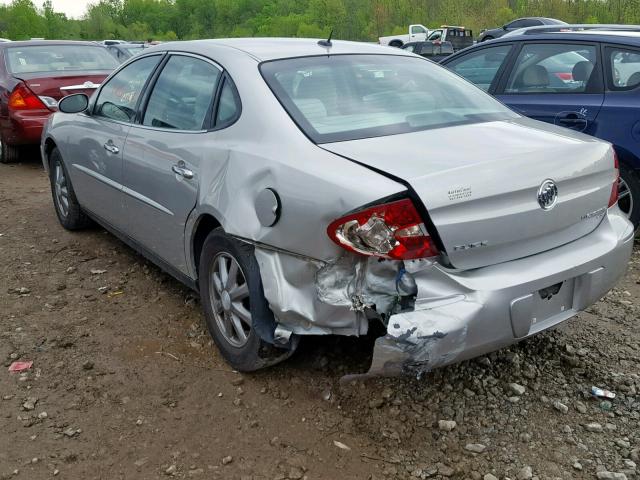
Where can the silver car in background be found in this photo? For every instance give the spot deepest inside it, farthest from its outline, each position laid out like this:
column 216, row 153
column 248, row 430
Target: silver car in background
column 316, row 188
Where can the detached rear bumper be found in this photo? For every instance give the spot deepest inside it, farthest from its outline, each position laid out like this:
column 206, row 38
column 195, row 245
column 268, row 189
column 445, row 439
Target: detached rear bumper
column 460, row 315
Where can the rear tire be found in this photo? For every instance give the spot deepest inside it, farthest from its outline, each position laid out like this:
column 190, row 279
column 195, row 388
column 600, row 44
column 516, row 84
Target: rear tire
column 396, row 43
column 629, row 194
column 8, row 153
column 66, row 204
column 233, row 300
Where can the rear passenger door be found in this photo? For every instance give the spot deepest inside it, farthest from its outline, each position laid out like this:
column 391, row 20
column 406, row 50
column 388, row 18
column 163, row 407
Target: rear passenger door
column 165, row 151
column 622, row 101
column 555, row 82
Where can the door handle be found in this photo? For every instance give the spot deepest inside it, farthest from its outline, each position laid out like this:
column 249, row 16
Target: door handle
column 572, row 120
column 110, row 147
column 179, row 169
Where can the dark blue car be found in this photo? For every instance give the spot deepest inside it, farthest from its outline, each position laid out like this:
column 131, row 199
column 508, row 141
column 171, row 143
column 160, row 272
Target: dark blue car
column 586, row 80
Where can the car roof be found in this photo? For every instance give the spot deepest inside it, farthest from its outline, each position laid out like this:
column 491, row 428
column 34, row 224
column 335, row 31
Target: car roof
column 262, row 49
column 613, row 36
column 630, row 38
column 40, row 43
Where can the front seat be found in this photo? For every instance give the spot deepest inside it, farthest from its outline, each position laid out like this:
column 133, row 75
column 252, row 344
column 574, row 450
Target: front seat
column 633, row 80
column 582, row 72
column 534, row 78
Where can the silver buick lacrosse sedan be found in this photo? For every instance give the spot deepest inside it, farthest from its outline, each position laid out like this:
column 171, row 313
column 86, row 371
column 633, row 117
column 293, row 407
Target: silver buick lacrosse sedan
column 310, row 187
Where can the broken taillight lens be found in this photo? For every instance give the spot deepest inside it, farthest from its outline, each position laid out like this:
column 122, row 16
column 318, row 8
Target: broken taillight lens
column 392, row 230
column 613, row 198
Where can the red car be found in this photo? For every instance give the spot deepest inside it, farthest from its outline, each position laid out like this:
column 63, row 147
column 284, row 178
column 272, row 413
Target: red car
column 34, row 76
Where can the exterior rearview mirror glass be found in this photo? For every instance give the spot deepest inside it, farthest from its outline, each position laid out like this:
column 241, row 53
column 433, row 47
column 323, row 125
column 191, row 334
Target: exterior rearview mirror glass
column 74, row 103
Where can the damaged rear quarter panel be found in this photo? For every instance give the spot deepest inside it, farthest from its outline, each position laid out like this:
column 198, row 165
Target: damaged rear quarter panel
column 264, row 149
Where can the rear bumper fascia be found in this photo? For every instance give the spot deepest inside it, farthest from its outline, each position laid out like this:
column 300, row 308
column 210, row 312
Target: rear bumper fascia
column 25, row 127
column 461, row 315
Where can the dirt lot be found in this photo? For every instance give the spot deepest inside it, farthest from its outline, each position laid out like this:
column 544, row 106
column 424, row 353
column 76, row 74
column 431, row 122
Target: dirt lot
column 126, row 384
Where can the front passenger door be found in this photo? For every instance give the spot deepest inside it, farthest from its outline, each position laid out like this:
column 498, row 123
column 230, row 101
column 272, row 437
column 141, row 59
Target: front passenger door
column 482, row 66
column 96, row 171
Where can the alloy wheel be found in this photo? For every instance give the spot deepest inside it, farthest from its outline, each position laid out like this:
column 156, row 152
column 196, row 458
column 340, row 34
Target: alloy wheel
column 229, row 295
column 61, row 189
column 625, row 198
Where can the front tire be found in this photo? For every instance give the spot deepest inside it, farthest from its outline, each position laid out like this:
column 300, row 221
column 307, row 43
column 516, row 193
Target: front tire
column 8, row 153
column 629, row 194
column 66, row 204
column 396, row 43
column 233, row 301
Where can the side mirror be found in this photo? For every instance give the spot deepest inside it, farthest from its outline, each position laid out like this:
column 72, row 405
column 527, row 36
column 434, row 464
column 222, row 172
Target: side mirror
column 74, row 103
column 505, row 27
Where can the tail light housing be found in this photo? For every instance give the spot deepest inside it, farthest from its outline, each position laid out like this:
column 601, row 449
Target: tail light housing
column 391, row 230
column 613, row 198
column 24, row 99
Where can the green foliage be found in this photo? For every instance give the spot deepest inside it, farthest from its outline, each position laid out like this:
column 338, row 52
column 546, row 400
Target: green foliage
column 349, row 19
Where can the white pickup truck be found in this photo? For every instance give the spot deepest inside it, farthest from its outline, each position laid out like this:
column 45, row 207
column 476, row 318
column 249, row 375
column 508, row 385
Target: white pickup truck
column 417, row 33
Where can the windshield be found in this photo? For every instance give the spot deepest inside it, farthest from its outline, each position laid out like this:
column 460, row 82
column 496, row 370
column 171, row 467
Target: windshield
column 348, row 97
column 58, row 58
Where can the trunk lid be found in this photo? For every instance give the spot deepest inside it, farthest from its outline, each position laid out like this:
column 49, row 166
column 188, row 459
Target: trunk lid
column 480, row 184
column 58, row 86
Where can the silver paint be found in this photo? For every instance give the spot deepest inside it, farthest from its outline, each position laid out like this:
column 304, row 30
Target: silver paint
column 479, row 190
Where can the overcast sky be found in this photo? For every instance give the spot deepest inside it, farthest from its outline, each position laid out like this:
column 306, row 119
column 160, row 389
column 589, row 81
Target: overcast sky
column 73, row 8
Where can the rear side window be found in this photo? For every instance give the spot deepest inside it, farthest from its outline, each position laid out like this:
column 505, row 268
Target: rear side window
column 552, row 68
column 624, row 69
column 58, row 58
column 118, row 99
column 183, row 94
column 482, row 66
column 228, row 105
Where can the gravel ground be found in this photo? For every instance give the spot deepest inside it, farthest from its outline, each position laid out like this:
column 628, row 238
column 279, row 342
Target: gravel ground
column 126, row 384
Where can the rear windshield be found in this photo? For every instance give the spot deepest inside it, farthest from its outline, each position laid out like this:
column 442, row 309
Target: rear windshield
column 133, row 49
column 348, row 97
column 58, row 58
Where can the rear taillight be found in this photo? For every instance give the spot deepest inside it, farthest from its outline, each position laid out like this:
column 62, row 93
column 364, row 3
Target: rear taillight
column 392, row 230
column 613, row 198
column 565, row 76
column 24, row 99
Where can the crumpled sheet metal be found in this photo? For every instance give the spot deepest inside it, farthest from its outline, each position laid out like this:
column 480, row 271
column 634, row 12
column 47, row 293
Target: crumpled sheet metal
column 359, row 283
column 419, row 341
column 315, row 298
column 289, row 287
column 309, row 297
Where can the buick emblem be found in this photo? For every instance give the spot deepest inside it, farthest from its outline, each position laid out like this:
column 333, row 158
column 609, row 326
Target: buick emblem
column 548, row 195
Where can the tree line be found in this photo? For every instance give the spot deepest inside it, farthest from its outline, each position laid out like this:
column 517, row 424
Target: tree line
column 363, row 20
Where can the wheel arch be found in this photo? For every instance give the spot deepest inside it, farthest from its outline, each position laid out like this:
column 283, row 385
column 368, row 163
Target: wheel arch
column 627, row 158
column 47, row 147
column 203, row 226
